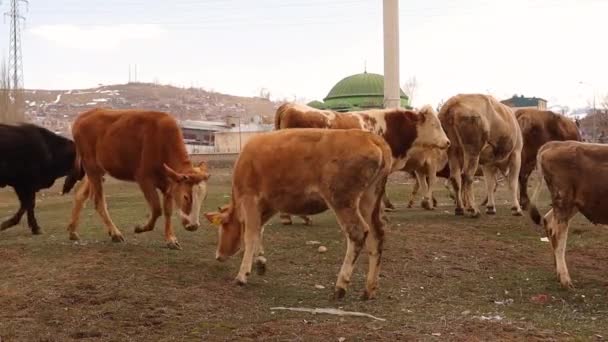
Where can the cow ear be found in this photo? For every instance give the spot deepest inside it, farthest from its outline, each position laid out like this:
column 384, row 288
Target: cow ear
column 215, row 218
column 174, row 176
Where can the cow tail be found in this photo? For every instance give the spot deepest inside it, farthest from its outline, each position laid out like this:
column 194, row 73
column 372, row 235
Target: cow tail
column 75, row 175
column 279, row 115
column 534, row 213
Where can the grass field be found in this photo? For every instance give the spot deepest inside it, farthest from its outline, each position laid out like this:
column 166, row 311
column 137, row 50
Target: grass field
column 443, row 278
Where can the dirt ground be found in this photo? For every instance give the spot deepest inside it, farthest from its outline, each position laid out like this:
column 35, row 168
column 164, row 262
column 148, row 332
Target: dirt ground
column 443, row 278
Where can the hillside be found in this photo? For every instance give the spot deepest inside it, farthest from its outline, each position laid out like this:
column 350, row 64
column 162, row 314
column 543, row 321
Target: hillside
column 56, row 109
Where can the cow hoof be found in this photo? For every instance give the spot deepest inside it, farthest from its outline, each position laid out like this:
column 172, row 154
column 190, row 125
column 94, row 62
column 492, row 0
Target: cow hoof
column 339, row 293
column 474, row 214
column 308, row 222
column 368, row 295
column 426, row 205
column 139, row 229
column 174, row 245
column 491, row 211
column 459, row 212
column 434, row 203
column 74, row 236
column 240, row 281
column 410, row 204
column 287, row 223
column 387, row 209
column 191, row 228
column 36, row 231
column 517, row 213
column 260, row 268
column 118, row 238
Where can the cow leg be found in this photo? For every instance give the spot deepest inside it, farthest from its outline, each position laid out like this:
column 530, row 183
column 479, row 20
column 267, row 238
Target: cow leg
column 260, row 261
column 356, row 230
column 370, row 208
column 82, row 194
column 524, row 175
column 414, row 193
column 430, row 179
column 425, row 190
column 556, row 226
column 513, row 180
column 388, row 206
column 31, row 217
column 253, row 236
column 170, row 237
column 489, row 174
column 471, row 162
column 456, row 180
column 285, row 219
column 23, row 203
column 102, row 208
column 151, row 196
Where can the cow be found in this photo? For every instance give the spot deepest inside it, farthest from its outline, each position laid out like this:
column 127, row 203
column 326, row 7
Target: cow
column 145, row 147
column 537, row 128
column 424, row 165
column 32, row 158
column 305, row 172
column 402, row 129
column 574, row 173
column 484, row 133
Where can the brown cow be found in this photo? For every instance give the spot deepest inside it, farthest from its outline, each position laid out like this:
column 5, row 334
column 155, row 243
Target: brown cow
column 537, row 128
column 424, row 165
column 485, row 133
column 402, row 129
column 140, row 146
column 303, row 172
column 575, row 173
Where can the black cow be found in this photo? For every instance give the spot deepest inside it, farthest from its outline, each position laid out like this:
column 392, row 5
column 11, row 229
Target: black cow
column 31, row 159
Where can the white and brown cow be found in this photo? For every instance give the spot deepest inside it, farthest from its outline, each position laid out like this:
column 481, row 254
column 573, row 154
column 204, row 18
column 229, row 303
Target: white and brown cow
column 402, row 129
column 575, row 173
column 303, row 172
column 484, row 133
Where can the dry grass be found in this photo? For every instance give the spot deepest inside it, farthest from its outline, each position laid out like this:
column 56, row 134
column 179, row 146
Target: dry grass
column 440, row 275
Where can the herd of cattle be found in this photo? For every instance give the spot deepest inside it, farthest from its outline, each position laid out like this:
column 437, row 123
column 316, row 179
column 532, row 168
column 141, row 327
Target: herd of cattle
column 313, row 161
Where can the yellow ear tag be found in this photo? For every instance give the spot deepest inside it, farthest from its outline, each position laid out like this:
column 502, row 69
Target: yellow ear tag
column 217, row 221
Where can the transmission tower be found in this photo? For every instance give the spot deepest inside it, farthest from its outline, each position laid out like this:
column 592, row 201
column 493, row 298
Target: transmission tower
column 15, row 60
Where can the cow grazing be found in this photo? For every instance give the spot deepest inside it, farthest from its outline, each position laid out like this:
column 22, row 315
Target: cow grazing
column 537, row 128
column 31, row 159
column 305, row 172
column 484, row 133
column 402, row 129
column 575, row 174
column 140, row 146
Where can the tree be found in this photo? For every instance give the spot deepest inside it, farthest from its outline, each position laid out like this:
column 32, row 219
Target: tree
column 605, row 102
column 409, row 88
column 11, row 100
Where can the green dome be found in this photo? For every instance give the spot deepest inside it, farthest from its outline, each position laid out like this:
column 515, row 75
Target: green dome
column 317, row 104
column 360, row 91
column 365, row 84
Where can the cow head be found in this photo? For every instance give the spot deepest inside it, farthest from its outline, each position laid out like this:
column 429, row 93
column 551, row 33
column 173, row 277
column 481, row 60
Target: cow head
column 188, row 190
column 429, row 130
column 230, row 230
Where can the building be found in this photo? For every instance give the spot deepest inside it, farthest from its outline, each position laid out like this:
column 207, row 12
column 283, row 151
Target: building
column 357, row 92
column 518, row 102
column 199, row 136
column 232, row 140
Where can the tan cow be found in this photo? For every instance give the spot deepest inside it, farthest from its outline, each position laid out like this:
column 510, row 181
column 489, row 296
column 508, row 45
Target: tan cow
column 537, row 128
column 139, row 146
column 303, row 172
column 402, row 129
column 485, row 133
column 575, row 173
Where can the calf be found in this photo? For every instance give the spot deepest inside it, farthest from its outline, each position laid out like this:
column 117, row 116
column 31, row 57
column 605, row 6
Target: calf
column 485, row 133
column 305, row 172
column 575, row 173
column 140, row 146
column 401, row 129
column 31, row 159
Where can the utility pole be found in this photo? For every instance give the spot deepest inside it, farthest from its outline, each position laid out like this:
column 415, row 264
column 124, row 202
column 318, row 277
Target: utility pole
column 392, row 97
column 15, row 60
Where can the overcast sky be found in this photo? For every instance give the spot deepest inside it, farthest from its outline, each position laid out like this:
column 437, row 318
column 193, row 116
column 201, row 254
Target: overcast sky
column 303, row 47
